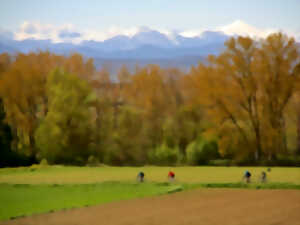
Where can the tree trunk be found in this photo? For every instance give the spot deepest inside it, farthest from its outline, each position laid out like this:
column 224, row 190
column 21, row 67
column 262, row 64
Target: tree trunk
column 258, row 151
column 32, row 150
column 298, row 133
column 284, row 148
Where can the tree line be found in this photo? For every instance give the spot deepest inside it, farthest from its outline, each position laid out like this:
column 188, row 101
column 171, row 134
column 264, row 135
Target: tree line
column 241, row 105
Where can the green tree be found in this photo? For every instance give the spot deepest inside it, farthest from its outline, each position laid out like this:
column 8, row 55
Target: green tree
column 201, row 151
column 66, row 133
column 164, row 155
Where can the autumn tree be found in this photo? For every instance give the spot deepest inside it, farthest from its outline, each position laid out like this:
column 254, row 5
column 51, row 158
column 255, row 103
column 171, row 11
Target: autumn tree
column 76, row 64
column 22, row 88
column 246, row 90
column 298, row 117
column 5, row 62
column 148, row 93
column 277, row 68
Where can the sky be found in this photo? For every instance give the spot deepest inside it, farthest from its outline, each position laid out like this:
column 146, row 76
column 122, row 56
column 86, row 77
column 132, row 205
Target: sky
column 99, row 19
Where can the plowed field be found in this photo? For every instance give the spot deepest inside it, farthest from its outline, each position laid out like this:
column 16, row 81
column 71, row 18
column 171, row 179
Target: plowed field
column 197, row 207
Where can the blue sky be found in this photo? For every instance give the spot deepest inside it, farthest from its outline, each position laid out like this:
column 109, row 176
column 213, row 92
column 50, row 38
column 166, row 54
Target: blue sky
column 163, row 14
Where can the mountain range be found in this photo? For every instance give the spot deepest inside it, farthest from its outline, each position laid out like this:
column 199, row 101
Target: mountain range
column 146, row 46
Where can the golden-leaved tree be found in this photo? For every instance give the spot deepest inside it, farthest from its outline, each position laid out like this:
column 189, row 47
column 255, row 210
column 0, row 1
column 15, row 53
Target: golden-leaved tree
column 277, row 68
column 246, row 90
column 298, row 118
column 22, row 88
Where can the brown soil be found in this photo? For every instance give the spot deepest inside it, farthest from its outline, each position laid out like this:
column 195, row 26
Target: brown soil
column 204, row 206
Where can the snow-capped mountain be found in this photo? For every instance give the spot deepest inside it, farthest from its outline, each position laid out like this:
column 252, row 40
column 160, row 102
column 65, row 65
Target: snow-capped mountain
column 145, row 46
column 146, row 39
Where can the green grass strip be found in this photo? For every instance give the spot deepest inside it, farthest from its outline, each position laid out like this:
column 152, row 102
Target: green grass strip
column 23, row 199
column 252, row 186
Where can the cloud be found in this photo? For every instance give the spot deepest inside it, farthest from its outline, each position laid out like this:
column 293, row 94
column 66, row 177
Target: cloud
column 68, row 32
column 36, row 30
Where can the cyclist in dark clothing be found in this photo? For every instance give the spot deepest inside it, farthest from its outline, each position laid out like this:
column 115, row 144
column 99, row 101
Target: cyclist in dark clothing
column 247, row 176
column 263, row 177
column 140, row 176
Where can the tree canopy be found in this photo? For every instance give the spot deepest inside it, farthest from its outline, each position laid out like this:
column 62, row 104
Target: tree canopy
column 242, row 104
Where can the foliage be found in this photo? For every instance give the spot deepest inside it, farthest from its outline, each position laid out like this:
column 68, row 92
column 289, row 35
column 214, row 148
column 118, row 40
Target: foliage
column 201, row 151
column 5, row 131
column 164, row 155
column 128, row 141
column 65, row 133
column 8, row 156
column 92, row 161
column 23, row 90
column 219, row 162
column 44, row 162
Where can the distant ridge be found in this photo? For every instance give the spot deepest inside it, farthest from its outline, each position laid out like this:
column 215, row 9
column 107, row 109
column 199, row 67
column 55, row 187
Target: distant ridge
column 146, row 46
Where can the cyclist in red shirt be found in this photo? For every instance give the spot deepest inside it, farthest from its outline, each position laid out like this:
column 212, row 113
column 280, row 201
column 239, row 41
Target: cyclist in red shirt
column 171, row 175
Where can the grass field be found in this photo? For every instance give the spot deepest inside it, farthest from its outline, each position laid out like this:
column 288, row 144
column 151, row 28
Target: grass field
column 37, row 189
column 24, row 199
column 88, row 175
